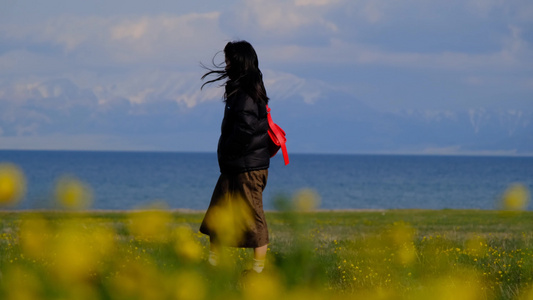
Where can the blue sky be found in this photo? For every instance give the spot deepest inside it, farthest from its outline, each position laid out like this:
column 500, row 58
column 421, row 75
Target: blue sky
column 125, row 75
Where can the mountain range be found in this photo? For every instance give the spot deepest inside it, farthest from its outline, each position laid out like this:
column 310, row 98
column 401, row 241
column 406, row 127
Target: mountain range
column 53, row 112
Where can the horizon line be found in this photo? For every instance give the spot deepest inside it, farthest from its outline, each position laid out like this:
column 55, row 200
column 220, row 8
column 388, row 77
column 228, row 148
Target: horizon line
column 376, row 153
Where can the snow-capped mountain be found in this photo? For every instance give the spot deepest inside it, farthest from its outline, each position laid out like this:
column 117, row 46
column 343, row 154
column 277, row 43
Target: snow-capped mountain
column 50, row 114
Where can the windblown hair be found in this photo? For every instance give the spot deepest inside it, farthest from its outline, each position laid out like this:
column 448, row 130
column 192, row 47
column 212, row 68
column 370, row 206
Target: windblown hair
column 242, row 73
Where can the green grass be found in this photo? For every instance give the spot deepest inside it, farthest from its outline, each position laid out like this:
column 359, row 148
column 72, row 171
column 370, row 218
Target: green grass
column 392, row 254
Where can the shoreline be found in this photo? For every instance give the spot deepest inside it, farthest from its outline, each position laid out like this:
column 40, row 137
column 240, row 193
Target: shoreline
column 199, row 211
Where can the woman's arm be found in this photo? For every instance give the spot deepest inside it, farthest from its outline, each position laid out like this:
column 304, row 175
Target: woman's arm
column 246, row 115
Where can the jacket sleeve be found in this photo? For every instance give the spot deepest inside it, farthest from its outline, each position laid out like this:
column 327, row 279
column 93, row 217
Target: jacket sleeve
column 246, row 116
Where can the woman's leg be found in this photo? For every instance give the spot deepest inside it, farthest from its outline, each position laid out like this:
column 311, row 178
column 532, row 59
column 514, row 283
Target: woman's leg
column 214, row 253
column 260, row 252
column 259, row 258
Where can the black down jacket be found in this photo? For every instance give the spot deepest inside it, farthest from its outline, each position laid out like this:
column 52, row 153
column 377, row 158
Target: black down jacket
column 243, row 143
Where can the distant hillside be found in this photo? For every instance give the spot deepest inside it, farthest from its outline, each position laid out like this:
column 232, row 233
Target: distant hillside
column 58, row 114
column 341, row 124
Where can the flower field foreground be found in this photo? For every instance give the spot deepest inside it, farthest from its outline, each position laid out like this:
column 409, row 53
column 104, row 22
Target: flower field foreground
column 158, row 254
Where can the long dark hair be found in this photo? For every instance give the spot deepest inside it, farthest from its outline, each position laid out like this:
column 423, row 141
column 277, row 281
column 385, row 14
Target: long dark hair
column 242, row 71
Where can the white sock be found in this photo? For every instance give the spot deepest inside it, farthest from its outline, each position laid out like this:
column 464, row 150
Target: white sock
column 213, row 258
column 258, row 265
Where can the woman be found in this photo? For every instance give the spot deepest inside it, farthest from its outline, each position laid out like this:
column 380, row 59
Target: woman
column 235, row 216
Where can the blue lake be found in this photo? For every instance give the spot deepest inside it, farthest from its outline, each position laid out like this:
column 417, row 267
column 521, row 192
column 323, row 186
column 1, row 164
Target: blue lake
column 128, row 180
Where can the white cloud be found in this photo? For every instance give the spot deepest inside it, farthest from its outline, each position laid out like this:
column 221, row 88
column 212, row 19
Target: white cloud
column 94, row 40
column 286, row 86
column 385, row 11
column 281, row 20
column 305, row 31
column 373, row 11
column 514, row 45
column 141, row 96
column 174, row 38
column 415, row 34
column 314, row 2
column 130, row 30
column 513, row 54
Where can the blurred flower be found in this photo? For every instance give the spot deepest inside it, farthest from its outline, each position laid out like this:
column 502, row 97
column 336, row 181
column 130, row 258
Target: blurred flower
column 12, row 184
column 460, row 285
column 185, row 245
column 79, row 252
column 71, row 193
column 306, row 200
column 402, row 237
column 407, row 254
column 136, row 280
column 515, row 198
column 34, row 236
column 21, row 284
column 81, row 291
column 402, row 233
column 262, row 286
column 527, row 294
column 151, row 224
column 230, row 220
column 189, row 286
column 309, row 293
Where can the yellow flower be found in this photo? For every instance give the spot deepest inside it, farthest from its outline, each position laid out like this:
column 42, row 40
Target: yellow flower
column 407, row 254
column 306, row 200
column 402, row 233
column 71, row 193
column 185, row 245
column 21, row 284
column 77, row 251
column 455, row 286
column 515, row 198
column 150, row 224
column 230, row 220
column 262, row 286
column 137, row 280
column 81, row 291
column 401, row 237
column 189, row 286
column 34, row 236
column 527, row 294
column 12, row 184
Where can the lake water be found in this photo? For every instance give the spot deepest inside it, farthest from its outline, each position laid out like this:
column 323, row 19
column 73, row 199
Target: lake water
column 128, row 180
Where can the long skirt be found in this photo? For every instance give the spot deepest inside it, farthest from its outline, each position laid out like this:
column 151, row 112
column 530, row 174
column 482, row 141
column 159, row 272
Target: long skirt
column 235, row 216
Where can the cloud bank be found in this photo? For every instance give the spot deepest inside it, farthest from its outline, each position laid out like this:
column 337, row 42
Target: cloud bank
column 71, row 72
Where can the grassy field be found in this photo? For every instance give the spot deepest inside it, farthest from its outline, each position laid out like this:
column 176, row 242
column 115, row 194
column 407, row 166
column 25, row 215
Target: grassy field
column 158, row 254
